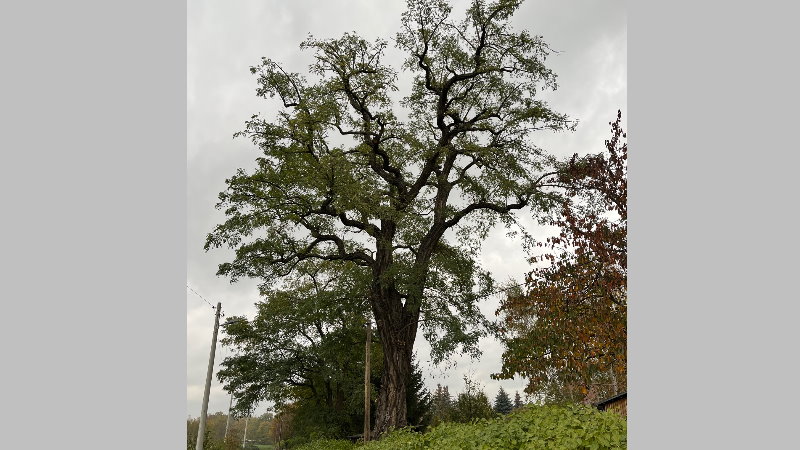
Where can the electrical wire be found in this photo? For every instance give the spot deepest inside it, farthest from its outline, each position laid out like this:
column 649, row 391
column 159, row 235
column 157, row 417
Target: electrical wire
column 204, row 299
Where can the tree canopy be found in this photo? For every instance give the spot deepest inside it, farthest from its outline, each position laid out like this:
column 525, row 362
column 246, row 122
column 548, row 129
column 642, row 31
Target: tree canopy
column 344, row 178
column 567, row 333
column 303, row 341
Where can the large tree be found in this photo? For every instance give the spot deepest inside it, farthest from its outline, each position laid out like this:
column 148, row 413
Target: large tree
column 344, row 178
column 567, row 332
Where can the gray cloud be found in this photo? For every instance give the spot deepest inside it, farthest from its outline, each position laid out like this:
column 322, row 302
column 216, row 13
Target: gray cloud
column 226, row 38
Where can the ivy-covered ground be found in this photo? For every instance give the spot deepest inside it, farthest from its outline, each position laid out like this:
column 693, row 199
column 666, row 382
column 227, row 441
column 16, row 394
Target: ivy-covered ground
column 572, row 427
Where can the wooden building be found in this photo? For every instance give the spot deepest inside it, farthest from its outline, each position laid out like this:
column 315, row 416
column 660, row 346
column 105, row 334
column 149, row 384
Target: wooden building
column 617, row 404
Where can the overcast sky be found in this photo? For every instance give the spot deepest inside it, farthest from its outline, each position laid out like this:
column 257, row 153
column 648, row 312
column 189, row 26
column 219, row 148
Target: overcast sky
column 226, row 38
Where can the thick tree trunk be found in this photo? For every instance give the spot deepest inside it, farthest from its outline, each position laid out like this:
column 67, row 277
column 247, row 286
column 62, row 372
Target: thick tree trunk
column 397, row 342
column 396, row 325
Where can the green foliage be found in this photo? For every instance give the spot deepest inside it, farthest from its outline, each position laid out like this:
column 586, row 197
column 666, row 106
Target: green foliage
column 397, row 439
column 572, row 427
column 307, row 420
column 540, row 427
column 418, row 399
column 502, row 403
column 327, row 444
column 305, row 346
column 472, row 404
column 342, row 178
column 517, row 400
column 441, row 406
column 209, row 443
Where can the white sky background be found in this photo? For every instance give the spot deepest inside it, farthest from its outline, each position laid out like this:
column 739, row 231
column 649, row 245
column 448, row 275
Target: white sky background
column 226, row 38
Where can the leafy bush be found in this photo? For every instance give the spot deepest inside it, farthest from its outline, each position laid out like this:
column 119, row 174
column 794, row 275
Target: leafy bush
column 327, row 444
column 536, row 428
column 398, row 439
column 572, row 427
column 472, row 404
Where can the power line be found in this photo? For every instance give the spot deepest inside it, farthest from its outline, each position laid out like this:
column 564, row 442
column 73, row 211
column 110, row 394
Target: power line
column 222, row 311
column 204, row 299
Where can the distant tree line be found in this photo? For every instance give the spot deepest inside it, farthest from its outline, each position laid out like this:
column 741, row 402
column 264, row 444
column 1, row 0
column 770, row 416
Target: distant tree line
column 472, row 403
column 258, row 432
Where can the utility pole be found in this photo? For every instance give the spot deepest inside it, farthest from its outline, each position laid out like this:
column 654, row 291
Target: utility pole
column 244, row 439
column 228, row 422
column 280, row 431
column 204, row 411
column 366, row 381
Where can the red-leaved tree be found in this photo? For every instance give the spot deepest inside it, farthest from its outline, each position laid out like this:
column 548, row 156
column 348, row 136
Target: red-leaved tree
column 566, row 331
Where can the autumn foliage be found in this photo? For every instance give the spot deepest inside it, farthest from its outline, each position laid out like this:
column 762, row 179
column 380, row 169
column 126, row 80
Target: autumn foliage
column 566, row 331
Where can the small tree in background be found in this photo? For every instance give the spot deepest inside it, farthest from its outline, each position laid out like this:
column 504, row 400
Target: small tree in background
column 441, row 405
column 502, row 403
column 418, row 399
column 472, row 403
column 517, row 400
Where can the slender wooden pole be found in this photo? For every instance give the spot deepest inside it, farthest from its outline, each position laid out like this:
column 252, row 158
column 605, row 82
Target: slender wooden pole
column 366, row 381
column 244, row 439
column 204, row 410
column 228, row 422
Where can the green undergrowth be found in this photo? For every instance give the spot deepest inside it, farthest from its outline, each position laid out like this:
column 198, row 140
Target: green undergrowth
column 572, row 427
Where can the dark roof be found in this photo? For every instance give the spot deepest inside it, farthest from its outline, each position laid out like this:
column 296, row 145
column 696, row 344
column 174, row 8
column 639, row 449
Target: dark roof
column 605, row 402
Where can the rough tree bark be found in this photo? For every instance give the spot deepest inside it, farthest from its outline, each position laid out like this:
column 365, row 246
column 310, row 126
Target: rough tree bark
column 391, row 404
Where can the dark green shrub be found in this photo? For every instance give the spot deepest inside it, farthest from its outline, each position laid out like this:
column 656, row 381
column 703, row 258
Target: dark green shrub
column 471, row 404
